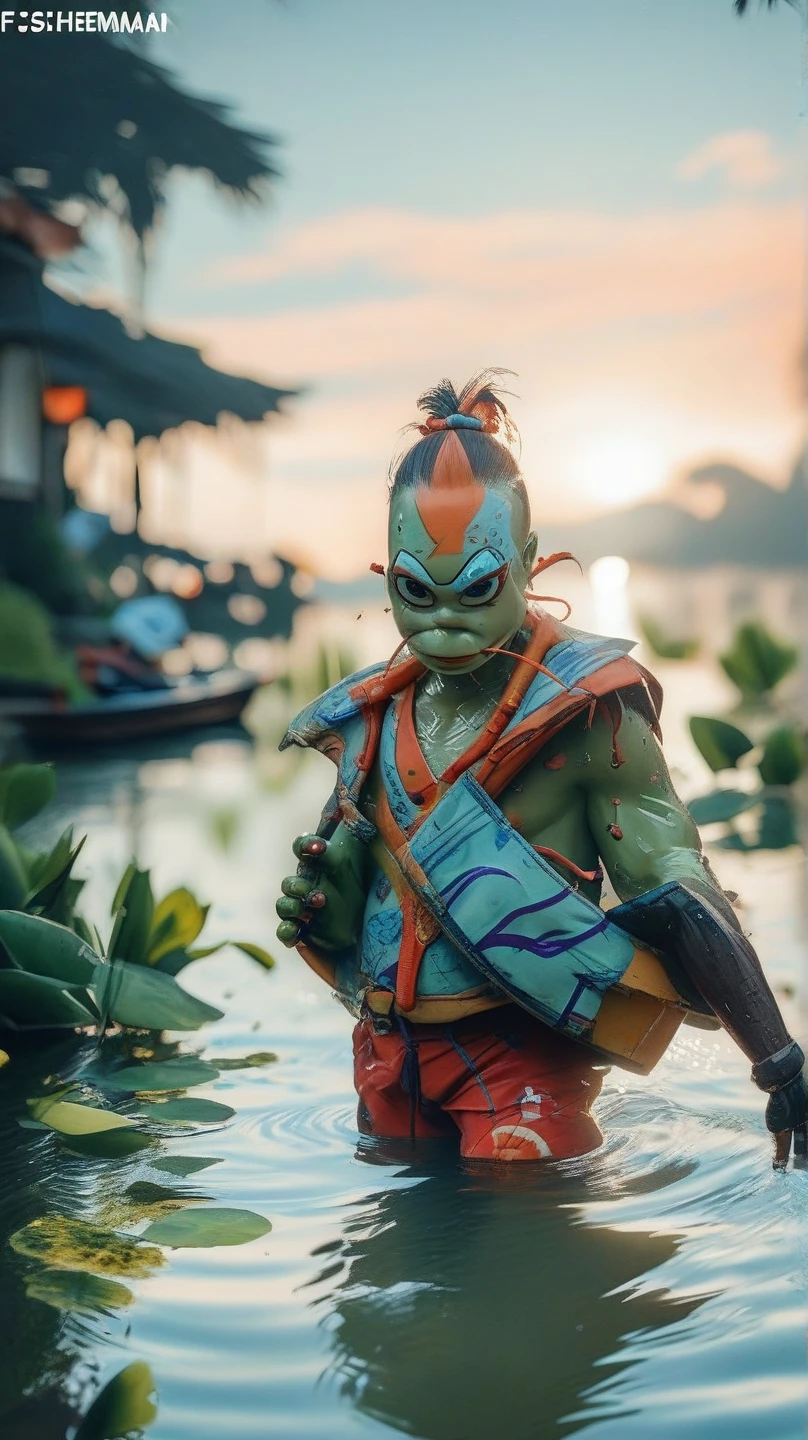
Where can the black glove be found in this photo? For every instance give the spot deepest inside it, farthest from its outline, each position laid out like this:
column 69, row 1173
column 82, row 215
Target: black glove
column 783, row 1077
column 787, row 1115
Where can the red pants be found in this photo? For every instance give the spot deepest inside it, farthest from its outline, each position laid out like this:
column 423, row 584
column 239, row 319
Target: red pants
column 511, row 1087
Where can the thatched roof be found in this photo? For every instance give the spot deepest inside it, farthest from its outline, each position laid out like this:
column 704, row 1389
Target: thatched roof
column 152, row 383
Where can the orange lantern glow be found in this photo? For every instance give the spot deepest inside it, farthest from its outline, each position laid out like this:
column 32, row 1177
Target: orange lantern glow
column 62, row 404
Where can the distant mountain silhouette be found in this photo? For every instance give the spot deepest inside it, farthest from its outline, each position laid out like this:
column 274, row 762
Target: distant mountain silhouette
column 757, row 526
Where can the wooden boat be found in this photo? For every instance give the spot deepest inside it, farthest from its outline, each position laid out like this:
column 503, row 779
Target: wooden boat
column 184, row 705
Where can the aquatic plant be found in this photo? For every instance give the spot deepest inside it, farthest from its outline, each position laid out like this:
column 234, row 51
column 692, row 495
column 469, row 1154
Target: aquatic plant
column 663, row 645
column 756, row 663
column 55, row 970
column 779, row 759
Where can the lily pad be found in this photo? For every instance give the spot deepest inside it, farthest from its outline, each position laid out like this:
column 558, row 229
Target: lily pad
column 184, row 1165
column 148, row 1000
column 151, row 1196
column 78, row 1292
column 75, row 1245
column 124, row 1405
column 177, row 1074
column 248, row 1062
column 206, row 1226
column 71, row 1119
column 108, row 1144
column 188, row 1111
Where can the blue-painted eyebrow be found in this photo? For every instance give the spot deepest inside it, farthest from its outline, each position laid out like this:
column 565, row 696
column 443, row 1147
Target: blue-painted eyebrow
column 478, row 567
column 405, row 561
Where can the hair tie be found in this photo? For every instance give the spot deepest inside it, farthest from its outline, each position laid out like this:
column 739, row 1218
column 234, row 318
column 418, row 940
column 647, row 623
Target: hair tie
column 454, row 422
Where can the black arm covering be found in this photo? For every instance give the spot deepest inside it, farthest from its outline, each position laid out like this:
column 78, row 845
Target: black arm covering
column 712, row 952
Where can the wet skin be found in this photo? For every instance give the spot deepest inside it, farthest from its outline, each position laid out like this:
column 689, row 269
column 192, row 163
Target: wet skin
column 566, row 799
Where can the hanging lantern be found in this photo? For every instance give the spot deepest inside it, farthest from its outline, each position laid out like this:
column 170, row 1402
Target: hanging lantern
column 62, row 404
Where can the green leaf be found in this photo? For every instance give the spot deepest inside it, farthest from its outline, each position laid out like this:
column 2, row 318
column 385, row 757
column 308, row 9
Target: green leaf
column 721, row 744
column 13, row 879
column 664, row 645
column 177, row 1074
column 71, row 1119
column 39, row 1001
column 124, row 1405
column 68, row 1244
column 178, row 920
column 133, row 921
column 248, row 1062
column 255, row 952
column 172, row 962
column 123, row 886
column 756, row 662
column 778, row 824
column 24, row 791
column 42, row 947
column 146, row 1000
column 77, row 1292
column 783, row 757
column 207, row 1226
column 49, row 872
column 108, row 1144
column 185, row 1165
column 722, row 805
column 188, row 1112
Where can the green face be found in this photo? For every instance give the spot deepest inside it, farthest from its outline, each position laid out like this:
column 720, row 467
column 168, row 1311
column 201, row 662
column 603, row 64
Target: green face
column 452, row 608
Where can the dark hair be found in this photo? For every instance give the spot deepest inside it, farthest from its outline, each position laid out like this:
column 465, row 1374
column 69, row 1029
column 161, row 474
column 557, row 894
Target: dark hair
column 492, row 463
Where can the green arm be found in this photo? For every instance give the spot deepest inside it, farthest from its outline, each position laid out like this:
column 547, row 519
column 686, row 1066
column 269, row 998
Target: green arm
column 647, row 837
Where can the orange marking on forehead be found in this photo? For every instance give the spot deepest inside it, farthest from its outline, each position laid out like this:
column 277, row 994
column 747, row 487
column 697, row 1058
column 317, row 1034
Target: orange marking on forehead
column 449, row 503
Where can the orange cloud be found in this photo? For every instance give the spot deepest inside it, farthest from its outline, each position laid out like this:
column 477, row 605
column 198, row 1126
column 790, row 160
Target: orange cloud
column 680, row 328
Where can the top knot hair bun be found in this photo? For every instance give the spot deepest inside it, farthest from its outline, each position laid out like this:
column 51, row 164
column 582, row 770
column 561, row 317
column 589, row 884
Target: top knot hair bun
column 463, row 444
column 478, row 406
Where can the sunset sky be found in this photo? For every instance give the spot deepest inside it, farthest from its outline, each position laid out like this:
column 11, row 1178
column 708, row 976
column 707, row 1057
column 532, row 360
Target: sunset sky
column 602, row 197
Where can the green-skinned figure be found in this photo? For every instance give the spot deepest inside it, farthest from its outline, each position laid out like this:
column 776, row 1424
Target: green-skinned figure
column 484, row 776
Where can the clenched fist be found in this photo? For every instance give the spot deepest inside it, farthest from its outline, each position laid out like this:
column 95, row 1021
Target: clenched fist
column 324, row 901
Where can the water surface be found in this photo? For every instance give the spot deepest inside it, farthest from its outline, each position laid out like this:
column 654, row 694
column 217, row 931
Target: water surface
column 655, row 1288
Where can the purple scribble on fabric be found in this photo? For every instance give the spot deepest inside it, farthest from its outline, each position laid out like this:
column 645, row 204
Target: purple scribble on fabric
column 501, row 939
column 460, row 883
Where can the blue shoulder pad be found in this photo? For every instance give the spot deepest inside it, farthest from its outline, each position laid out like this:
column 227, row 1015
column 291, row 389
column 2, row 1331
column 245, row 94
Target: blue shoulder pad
column 329, row 711
column 571, row 659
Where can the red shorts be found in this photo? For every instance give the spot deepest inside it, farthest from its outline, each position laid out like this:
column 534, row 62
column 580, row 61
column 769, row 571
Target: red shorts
column 513, row 1089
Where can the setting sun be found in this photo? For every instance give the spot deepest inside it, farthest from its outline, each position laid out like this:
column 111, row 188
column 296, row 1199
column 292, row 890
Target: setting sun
column 619, row 469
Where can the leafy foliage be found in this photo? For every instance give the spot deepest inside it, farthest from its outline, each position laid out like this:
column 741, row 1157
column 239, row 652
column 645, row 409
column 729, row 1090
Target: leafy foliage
column 756, row 662
column 115, row 144
column 721, row 744
column 665, row 646
column 53, row 969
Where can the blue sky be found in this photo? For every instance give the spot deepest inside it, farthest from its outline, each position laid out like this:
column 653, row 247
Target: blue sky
column 617, row 182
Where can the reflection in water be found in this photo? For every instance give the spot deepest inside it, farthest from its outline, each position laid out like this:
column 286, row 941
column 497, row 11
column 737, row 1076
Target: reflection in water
column 477, row 1304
